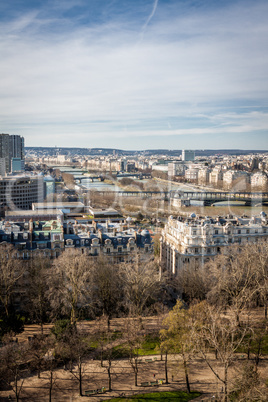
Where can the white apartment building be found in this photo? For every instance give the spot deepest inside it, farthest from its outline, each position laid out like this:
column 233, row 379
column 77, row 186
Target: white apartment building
column 259, row 180
column 175, row 169
column 203, row 175
column 215, row 176
column 191, row 174
column 231, row 176
column 196, row 239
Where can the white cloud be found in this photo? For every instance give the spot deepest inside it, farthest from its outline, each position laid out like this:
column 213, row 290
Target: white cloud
column 186, row 66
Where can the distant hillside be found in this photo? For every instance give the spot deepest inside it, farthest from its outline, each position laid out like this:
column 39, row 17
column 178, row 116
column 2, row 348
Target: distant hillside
column 119, row 152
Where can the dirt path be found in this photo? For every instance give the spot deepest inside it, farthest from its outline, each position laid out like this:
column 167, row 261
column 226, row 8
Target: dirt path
column 66, row 386
column 95, row 376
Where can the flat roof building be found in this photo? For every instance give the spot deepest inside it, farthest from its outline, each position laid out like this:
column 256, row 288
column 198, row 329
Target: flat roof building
column 187, row 155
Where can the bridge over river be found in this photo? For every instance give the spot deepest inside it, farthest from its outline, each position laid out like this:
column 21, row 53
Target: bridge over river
column 208, row 197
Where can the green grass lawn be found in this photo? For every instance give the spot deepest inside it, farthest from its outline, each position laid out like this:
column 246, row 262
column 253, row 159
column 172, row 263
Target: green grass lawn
column 150, row 346
column 171, row 396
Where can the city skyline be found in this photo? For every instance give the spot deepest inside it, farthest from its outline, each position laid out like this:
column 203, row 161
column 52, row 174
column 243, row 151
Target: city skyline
column 135, row 75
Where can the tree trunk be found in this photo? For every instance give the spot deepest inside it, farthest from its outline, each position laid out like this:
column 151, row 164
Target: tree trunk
column 257, row 358
column 16, row 387
column 186, row 376
column 80, row 376
column 136, row 373
column 101, row 356
column 166, row 369
column 225, row 383
column 109, row 375
column 249, row 344
column 50, row 386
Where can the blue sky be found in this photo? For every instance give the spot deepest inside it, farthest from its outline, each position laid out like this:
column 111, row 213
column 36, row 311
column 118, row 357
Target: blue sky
column 135, row 74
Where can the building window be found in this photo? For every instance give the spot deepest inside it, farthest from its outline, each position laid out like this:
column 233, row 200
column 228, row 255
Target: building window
column 119, row 249
column 247, row 230
column 209, row 250
column 239, row 231
column 196, row 250
column 108, row 251
column 216, row 231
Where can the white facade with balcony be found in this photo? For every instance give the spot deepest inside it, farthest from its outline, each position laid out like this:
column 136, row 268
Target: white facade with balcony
column 196, row 239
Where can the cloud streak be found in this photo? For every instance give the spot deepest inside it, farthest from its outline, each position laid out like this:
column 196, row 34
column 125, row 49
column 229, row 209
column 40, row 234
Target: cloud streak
column 149, row 19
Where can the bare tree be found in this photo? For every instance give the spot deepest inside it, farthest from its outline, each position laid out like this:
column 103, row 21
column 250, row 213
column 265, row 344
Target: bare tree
column 260, row 264
column 141, row 283
column 108, row 353
column 73, row 350
column 11, row 272
column 133, row 336
column 247, row 385
column 178, row 336
column 13, row 357
column 38, row 348
column 37, row 285
column 70, row 283
column 234, row 279
column 216, row 332
column 107, row 290
column 193, row 283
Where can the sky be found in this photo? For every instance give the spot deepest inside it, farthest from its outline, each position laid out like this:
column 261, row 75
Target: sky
column 135, row 74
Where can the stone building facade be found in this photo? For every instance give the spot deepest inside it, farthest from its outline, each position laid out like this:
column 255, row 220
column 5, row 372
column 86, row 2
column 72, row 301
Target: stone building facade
column 196, row 239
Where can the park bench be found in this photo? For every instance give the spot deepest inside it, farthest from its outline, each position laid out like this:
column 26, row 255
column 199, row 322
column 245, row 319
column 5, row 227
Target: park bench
column 90, row 392
column 95, row 391
column 148, row 360
column 154, row 382
column 145, row 384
